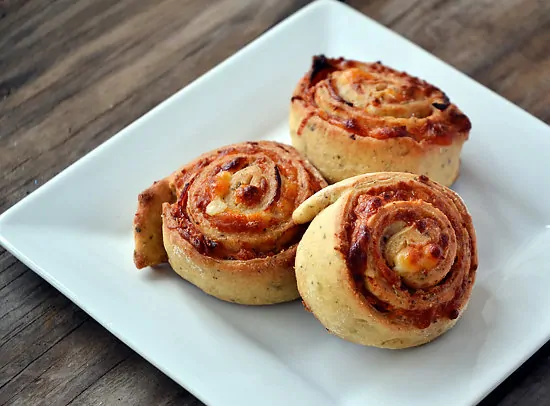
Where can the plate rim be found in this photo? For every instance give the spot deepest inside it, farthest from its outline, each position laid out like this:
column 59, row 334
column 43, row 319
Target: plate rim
column 127, row 132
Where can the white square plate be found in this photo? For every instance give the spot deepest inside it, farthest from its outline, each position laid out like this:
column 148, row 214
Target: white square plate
column 76, row 232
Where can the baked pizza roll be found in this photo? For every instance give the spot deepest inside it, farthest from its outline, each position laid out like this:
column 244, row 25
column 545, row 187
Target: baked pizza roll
column 350, row 118
column 389, row 259
column 226, row 223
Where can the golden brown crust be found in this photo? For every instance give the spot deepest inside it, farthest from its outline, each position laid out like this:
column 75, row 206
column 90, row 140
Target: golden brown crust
column 349, row 118
column 401, row 254
column 230, row 231
column 256, row 281
column 149, row 248
column 236, row 202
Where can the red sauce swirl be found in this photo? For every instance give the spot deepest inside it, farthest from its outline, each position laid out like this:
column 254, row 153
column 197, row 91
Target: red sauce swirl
column 374, row 214
column 237, row 202
column 373, row 100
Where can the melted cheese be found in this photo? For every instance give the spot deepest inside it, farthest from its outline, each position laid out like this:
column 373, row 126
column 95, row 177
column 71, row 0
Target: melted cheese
column 414, row 259
column 216, row 206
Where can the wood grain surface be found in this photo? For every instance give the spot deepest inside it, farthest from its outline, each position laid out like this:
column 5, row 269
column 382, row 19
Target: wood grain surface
column 74, row 72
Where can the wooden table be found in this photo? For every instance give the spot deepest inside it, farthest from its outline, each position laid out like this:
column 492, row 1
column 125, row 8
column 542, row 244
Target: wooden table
column 74, row 72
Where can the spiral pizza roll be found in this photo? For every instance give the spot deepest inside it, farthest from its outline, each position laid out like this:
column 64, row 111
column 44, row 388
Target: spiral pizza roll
column 389, row 259
column 350, row 118
column 227, row 223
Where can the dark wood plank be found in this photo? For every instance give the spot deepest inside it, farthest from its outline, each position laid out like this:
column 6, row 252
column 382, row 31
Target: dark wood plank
column 73, row 73
column 10, row 269
column 38, row 318
column 65, row 370
column 135, row 382
column 105, row 64
column 83, row 91
column 504, row 45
